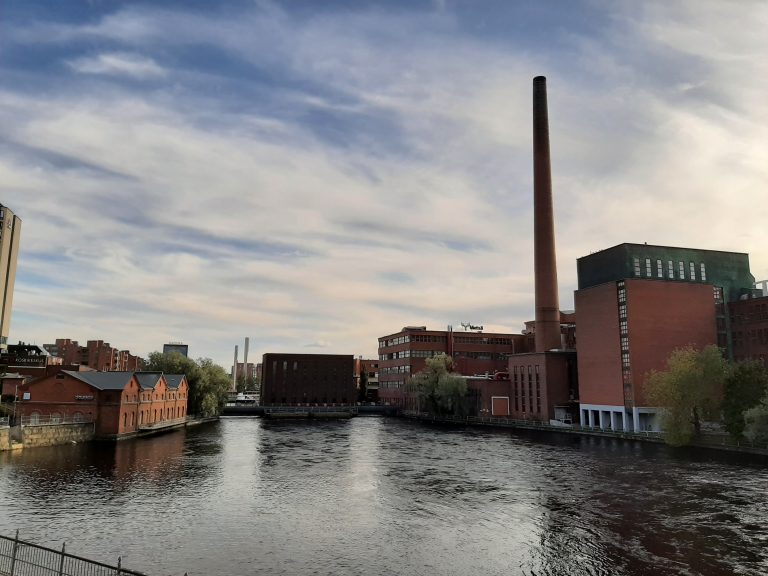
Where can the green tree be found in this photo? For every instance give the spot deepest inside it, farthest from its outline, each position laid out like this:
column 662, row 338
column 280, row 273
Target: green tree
column 244, row 384
column 363, row 385
column 440, row 390
column 689, row 390
column 756, row 422
column 745, row 387
column 208, row 382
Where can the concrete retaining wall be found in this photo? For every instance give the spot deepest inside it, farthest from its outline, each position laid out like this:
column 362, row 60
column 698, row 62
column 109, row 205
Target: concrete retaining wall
column 53, row 434
column 5, row 438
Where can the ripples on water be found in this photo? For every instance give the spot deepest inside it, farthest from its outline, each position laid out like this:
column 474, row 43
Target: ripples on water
column 383, row 496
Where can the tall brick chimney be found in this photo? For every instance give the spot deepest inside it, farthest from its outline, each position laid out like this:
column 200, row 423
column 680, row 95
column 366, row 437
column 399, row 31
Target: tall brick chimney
column 545, row 265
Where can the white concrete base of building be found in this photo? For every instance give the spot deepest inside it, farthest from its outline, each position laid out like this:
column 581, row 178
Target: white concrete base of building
column 618, row 418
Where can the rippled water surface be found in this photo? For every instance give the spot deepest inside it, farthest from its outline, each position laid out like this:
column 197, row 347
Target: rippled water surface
column 381, row 496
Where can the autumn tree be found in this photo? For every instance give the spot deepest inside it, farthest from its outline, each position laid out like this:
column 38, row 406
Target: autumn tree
column 440, row 390
column 689, row 390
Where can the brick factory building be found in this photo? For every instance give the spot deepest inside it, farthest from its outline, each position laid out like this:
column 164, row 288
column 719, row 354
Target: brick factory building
column 369, row 367
column 405, row 352
column 121, row 404
column 749, row 326
column 636, row 304
column 96, row 354
column 307, row 379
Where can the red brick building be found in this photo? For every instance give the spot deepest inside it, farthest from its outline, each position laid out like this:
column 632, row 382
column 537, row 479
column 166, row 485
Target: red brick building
column 120, row 404
column 307, row 379
column 749, row 326
column 369, row 367
column 404, row 353
column 96, row 354
column 635, row 305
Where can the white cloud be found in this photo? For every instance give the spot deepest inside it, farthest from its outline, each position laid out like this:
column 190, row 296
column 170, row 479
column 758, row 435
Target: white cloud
column 118, row 64
column 190, row 215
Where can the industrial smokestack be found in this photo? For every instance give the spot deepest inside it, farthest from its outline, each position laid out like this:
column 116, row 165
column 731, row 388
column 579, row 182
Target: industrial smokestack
column 245, row 360
column 234, row 372
column 545, row 265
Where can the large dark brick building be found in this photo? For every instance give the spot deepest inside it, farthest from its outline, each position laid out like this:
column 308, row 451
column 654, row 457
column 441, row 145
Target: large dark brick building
column 301, row 379
column 749, row 325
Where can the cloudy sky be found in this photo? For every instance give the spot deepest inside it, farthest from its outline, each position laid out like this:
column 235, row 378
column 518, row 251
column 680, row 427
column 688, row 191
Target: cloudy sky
column 318, row 174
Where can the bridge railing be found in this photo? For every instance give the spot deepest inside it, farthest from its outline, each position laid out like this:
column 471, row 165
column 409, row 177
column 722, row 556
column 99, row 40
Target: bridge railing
column 21, row 558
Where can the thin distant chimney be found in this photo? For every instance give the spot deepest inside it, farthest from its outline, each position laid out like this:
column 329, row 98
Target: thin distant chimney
column 245, row 359
column 234, row 372
column 545, row 264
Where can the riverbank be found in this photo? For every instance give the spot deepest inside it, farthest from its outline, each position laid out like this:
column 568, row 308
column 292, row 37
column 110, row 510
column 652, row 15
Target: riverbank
column 722, row 443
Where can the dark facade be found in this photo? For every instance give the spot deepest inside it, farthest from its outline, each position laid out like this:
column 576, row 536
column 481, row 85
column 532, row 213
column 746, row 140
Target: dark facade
column 749, row 324
column 302, row 379
column 182, row 349
column 404, row 353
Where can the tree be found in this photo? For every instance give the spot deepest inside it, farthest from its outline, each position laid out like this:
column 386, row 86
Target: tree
column 208, row 382
column 363, row 385
column 689, row 390
column 440, row 391
column 745, row 386
column 756, row 422
column 244, row 384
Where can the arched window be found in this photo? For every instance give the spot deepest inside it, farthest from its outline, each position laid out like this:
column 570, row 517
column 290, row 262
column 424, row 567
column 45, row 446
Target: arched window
column 77, row 417
column 34, row 418
column 55, row 418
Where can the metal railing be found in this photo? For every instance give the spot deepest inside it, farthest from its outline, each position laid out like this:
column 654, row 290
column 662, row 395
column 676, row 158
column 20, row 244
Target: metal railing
column 51, row 419
column 20, row 558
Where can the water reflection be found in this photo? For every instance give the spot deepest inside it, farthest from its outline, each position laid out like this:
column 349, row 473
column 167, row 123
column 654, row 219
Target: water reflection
column 381, row 496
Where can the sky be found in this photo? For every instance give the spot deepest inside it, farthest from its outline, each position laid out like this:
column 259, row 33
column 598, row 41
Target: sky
column 315, row 175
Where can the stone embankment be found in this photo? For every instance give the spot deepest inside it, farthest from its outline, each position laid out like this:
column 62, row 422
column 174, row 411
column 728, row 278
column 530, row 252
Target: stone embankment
column 722, row 443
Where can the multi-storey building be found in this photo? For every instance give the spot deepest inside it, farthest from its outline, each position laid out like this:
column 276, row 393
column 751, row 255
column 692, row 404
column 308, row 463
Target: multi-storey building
column 636, row 304
column 10, row 236
column 749, row 325
column 307, row 379
column 96, row 354
column 120, row 404
column 405, row 352
column 179, row 347
column 369, row 367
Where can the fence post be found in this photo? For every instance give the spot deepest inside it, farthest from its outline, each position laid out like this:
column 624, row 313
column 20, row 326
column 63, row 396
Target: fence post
column 61, row 563
column 119, row 565
column 13, row 554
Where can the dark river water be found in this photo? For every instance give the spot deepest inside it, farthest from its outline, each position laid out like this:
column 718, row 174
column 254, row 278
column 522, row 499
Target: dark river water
column 381, row 496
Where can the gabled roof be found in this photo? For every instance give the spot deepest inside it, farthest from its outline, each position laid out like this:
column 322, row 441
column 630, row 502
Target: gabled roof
column 102, row 380
column 174, row 380
column 148, row 380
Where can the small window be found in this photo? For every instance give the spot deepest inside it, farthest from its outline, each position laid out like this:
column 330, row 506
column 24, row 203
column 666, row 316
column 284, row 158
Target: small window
column 703, row 270
column 670, row 269
column 659, row 269
column 681, row 270
column 648, row 267
column 692, row 268
column 637, row 266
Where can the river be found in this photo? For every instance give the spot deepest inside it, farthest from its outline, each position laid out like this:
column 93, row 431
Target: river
column 382, row 496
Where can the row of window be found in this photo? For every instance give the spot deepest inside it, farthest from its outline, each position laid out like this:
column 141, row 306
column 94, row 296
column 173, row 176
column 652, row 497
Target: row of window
column 670, row 269
column 385, row 343
column 482, row 340
column 392, row 384
column 395, row 369
column 482, row 355
column 525, row 402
